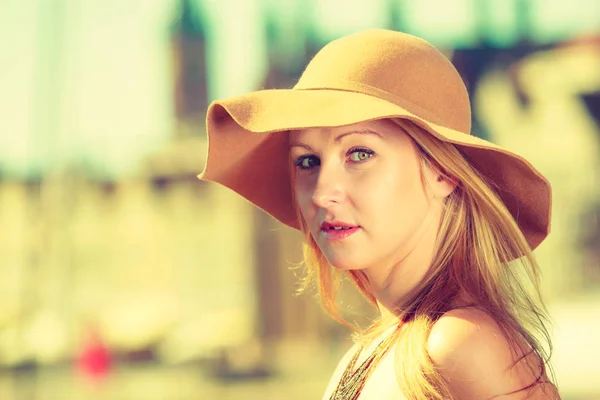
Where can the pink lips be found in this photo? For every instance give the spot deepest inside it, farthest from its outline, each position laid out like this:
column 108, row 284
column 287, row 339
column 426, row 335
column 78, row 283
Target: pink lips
column 335, row 230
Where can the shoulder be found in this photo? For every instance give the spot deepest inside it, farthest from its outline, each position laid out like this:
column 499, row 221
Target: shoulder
column 477, row 359
column 458, row 333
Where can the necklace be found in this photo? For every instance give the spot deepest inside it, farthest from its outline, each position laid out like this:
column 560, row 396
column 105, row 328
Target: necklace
column 352, row 382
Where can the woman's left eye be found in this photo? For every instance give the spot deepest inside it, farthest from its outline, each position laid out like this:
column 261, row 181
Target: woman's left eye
column 360, row 155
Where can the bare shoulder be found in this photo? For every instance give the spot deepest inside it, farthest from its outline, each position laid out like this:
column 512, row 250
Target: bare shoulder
column 459, row 332
column 478, row 362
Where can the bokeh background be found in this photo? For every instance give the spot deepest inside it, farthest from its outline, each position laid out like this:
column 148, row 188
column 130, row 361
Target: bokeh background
column 122, row 276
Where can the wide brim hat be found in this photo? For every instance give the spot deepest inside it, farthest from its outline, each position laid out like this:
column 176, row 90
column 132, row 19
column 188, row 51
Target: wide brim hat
column 369, row 75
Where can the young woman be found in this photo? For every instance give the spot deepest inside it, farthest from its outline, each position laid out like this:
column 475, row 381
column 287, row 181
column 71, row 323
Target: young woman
column 370, row 156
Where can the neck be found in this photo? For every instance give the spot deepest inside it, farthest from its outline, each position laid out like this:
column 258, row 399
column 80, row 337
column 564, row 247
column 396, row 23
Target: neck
column 392, row 286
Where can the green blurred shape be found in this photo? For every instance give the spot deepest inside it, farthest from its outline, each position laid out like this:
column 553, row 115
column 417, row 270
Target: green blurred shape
column 555, row 20
column 190, row 19
column 500, row 22
column 444, row 23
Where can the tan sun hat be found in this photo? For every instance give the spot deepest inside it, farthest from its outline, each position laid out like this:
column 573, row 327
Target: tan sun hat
column 372, row 74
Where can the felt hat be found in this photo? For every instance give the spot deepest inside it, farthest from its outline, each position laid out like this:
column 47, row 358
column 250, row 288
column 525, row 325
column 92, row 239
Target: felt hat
column 369, row 75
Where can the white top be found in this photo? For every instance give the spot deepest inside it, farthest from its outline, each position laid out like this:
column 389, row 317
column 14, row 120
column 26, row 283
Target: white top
column 382, row 384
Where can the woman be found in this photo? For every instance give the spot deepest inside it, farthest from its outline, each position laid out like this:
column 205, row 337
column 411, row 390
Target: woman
column 370, row 156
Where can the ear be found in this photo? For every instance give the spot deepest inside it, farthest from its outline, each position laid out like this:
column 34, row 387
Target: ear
column 440, row 183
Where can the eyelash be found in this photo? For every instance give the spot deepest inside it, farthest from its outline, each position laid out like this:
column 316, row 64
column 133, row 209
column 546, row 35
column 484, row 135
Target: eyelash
column 299, row 160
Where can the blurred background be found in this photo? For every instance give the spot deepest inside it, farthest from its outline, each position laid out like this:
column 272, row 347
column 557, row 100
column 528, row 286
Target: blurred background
column 122, row 276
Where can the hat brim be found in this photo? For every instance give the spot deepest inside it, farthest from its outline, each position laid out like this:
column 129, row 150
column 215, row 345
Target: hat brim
column 248, row 154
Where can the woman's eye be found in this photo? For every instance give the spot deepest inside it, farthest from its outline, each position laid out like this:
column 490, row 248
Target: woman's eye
column 360, row 155
column 306, row 162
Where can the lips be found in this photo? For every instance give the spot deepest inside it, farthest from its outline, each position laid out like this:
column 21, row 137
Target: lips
column 336, row 225
column 336, row 230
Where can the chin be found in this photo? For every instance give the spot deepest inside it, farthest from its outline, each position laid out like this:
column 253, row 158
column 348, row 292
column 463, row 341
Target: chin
column 343, row 256
column 344, row 262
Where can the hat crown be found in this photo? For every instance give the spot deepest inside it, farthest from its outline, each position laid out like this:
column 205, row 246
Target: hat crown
column 396, row 67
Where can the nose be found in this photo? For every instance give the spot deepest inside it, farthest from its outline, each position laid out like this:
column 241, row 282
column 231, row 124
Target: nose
column 329, row 190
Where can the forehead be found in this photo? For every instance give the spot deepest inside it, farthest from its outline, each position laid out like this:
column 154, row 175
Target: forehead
column 383, row 127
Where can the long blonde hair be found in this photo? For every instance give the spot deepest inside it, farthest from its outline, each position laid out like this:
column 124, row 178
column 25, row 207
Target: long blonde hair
column 480, row 251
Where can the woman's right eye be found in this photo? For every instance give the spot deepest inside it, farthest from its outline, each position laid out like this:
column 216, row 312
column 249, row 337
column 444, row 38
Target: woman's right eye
column 306, row 162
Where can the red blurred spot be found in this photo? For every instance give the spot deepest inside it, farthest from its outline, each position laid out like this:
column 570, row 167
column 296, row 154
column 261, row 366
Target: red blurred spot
column 94, row 361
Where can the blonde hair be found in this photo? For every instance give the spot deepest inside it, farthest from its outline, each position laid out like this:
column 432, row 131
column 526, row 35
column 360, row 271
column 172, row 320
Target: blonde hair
column 480, row 251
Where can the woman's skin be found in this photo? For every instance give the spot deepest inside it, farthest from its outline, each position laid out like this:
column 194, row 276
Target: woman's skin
column 367, row 176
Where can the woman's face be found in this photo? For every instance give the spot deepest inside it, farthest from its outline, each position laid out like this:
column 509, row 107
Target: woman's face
column 360, row 191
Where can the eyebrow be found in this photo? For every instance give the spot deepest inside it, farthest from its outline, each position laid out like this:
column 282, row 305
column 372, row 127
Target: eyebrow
column 339, row 138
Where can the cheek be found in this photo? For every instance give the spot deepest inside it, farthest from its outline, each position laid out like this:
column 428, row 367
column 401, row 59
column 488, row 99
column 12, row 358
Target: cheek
column 396, row 198
column 304, row 203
